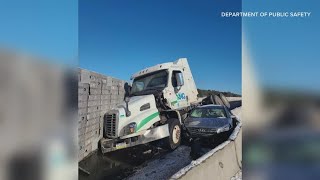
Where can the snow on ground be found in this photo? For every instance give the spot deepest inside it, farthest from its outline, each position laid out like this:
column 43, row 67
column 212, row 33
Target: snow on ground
column 165, row 166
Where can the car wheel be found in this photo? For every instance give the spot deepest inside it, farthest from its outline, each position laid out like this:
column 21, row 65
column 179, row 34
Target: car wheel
column 224, row 100
column 174, row 139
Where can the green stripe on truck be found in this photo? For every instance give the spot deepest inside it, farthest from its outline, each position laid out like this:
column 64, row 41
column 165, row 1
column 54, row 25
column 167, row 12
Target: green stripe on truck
column 146, row 120
column 174, row 102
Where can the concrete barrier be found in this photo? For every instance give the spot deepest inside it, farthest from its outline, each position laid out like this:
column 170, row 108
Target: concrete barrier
column 238, row 146
column 223, row 162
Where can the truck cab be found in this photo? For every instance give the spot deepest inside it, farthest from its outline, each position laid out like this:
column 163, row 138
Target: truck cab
column 153, row 109
column 173, row 79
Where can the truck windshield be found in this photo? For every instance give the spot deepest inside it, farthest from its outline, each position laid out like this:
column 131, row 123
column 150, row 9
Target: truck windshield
column 208, row 113
column 152, row 81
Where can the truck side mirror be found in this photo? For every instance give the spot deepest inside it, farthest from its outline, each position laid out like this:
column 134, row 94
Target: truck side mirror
column 127, row 89
column 179, row 78
column 127, row 99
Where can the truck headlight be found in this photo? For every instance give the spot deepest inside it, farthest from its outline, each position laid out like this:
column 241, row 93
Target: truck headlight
column 223, row 129
column 131, row 128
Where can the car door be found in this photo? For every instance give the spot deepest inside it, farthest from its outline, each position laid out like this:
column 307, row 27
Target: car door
column 176, row 94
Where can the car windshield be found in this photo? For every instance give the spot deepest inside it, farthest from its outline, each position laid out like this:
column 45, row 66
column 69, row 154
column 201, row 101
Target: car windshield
column 157, row 80
column 208, row 113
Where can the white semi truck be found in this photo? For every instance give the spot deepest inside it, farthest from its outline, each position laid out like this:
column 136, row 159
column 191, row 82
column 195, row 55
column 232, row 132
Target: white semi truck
column 155, row 108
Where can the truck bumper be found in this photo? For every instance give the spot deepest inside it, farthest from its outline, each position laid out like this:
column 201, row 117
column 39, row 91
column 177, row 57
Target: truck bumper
column 108, row 145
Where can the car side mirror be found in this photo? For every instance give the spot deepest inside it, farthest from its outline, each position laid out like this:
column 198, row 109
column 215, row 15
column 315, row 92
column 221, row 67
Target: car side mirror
column 179, row 78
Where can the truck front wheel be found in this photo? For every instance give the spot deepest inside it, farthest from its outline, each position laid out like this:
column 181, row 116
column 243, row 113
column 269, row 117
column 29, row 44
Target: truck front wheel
column 174, row 139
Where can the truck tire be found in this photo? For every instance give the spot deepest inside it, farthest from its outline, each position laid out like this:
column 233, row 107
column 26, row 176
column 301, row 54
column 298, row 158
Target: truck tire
column 217, row 100
column 224, row 100
column 174, row 139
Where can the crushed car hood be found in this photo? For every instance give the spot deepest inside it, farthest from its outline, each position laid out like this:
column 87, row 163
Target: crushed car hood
column 207, row 122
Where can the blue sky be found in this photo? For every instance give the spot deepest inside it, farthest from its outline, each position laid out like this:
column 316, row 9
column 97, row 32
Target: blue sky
column 138, row 34
column 119, row 38
column 44, row 28
column 286, row 51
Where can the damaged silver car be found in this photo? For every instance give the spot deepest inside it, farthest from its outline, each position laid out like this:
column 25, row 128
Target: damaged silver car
column 208, row 121
column 208, row 125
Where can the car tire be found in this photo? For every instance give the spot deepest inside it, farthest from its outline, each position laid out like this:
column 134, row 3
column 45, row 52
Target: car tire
column 174, row 139
column 224, row 100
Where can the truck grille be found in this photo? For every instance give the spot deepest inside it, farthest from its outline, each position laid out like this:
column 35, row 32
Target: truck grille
column 110, row 124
